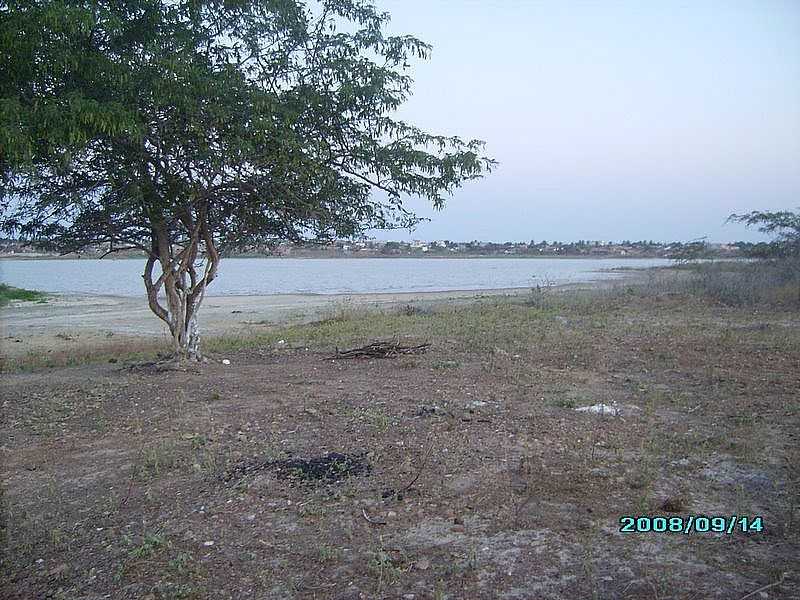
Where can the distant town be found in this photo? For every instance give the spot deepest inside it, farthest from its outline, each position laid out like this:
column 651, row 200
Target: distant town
column 10, row 248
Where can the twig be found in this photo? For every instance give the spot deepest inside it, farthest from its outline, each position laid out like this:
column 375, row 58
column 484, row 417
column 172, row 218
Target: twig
column 765, row 587
column 372, row 521
column 421, row 467
column 133, row 476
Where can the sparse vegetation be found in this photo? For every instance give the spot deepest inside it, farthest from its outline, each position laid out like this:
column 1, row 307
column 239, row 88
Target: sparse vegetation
column 9, row 293
column 769, row 283
column 708, row 390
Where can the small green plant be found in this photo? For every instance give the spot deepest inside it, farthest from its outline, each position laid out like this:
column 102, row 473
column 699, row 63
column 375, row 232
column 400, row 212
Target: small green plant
column 384, row 568
column 378, row 419
column 446, row 364
column 178, row 591
column 198, row 440
column 151, row 542
column 180, row 564
column 564, row 402
column 160, row 457
column 329, row 553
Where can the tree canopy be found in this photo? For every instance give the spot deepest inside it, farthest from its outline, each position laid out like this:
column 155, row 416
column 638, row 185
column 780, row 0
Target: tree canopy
column 188, row 127
column 783, row 226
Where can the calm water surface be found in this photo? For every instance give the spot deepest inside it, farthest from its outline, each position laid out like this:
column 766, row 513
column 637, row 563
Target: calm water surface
column 257, row 276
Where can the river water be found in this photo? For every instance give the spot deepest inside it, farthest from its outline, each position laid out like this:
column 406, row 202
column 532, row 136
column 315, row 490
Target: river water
column 262, row 276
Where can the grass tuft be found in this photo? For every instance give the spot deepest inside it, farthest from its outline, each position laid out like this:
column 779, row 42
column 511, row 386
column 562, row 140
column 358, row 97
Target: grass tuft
column 9, row 293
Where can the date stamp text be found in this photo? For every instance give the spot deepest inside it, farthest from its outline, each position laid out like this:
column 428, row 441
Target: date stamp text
column 727, row 524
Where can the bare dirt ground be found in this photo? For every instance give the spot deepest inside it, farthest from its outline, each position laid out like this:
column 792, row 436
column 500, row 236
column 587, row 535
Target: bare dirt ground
column 469, row 473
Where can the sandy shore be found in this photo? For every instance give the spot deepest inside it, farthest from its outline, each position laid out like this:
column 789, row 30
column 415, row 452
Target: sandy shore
column 97, row 320
column 65, row 320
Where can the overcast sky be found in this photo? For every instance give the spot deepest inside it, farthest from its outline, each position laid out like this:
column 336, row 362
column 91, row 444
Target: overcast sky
column 610, row 120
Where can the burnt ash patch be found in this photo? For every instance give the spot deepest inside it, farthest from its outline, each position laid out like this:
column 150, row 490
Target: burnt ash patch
column 328, row 468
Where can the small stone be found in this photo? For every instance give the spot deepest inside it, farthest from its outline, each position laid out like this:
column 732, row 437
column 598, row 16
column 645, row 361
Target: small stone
column 225, row 361
column 409, row 596
column 391, row 514
column 208, row 543
column 475, row 404
column 423, row 564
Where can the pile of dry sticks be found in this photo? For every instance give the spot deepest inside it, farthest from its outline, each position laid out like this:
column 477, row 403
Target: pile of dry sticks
column 380, row 350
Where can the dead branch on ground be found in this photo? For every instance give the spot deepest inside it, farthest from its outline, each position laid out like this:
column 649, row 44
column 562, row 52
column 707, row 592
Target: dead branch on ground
column 380, row 350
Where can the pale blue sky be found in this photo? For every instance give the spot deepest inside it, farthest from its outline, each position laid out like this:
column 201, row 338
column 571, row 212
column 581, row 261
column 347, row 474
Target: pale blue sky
column 611, row 120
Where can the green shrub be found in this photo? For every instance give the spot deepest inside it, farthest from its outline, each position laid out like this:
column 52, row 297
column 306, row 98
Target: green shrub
column 9, row 293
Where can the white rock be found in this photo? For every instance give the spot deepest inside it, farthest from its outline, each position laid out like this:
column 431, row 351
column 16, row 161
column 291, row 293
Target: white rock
column 601, row 409
column 208, row 543
column 475, row 404
column 225, row 361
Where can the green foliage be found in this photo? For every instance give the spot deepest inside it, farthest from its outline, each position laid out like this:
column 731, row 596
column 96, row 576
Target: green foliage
column 9, row 293
column 121, row 118
column 185, row 128
column 151, row 542
column 783, row 226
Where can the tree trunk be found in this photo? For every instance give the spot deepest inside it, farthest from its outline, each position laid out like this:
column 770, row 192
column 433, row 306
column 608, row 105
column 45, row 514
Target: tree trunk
column 183, row 280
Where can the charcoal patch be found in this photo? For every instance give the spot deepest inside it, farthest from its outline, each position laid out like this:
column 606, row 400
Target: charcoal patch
column 329, row 468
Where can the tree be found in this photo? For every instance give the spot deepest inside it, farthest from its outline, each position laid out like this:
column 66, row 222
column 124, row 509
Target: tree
column 186, row 128
column 690, row 252
column 783, row 226
column 784, row 248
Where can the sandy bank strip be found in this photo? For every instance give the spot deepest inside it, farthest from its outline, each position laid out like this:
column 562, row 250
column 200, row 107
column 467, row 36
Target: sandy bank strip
column 68, row 319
